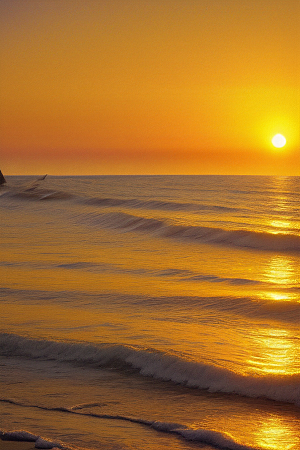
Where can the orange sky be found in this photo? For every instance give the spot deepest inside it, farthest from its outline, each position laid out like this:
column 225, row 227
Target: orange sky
column 149, row 86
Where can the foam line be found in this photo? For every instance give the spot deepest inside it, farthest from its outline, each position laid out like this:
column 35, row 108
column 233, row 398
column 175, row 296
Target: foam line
column 25, row 436
column 155, row 364
column 217, row 439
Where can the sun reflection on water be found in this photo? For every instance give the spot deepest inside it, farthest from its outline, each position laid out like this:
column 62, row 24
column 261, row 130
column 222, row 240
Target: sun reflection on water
column 275, row 434
column 281, row 226
column 275, row 351
column 288, row 296
column 281, row 272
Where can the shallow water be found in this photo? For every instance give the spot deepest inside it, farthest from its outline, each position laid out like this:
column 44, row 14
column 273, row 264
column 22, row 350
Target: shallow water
column 151, row 312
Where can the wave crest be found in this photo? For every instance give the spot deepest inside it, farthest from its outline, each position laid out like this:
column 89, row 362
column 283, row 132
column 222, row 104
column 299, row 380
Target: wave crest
column 155, row 204
column 234, row 238
column 155, row 364
column 218, row 439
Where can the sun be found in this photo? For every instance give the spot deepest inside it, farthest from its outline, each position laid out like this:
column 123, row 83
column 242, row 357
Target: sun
column 278, row 141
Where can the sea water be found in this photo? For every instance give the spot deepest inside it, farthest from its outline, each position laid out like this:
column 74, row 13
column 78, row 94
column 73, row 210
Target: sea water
column 151, row 312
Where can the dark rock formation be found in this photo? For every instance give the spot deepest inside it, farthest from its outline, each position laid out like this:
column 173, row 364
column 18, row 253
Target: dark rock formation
column 2, row 179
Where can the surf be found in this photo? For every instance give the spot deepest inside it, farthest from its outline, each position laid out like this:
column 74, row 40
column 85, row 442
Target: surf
column 220, row 440
column 155, row 364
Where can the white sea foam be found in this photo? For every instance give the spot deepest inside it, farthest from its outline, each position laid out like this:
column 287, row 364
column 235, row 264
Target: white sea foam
column 18, row 436
column 217, row 439
column 157, row 365
column 46, row 444
column 25, row 436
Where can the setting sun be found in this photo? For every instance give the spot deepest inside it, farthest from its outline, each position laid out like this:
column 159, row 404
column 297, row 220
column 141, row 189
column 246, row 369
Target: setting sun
column 139, row 87
column 150, row 247
column 279, row 141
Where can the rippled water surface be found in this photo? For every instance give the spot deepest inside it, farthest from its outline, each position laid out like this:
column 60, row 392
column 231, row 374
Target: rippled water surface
column 145, row 312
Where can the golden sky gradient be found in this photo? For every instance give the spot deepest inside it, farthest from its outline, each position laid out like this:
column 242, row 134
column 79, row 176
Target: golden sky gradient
column 149, row 86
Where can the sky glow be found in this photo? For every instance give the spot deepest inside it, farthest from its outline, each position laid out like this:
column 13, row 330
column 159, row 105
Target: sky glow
column 132, row 86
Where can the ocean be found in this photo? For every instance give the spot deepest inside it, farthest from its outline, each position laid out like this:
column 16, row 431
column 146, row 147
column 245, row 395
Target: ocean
column 150, row 312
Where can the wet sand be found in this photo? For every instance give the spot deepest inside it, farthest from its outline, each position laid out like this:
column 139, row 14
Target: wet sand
column 16, row 445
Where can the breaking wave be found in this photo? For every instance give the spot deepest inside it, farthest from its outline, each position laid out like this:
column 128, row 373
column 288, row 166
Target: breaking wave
column 234, row 238
column 25, row 436
column 220, row 440
column 156, row 364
